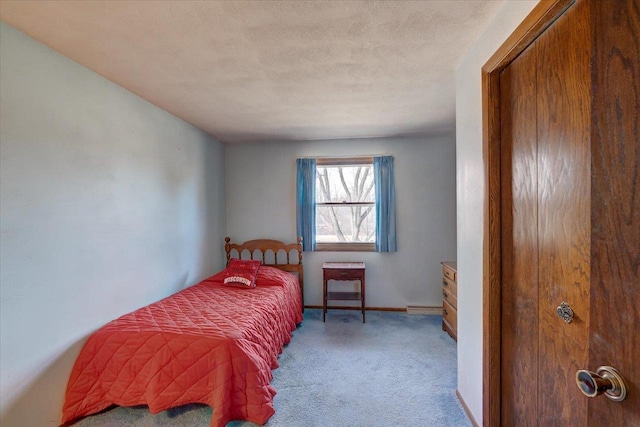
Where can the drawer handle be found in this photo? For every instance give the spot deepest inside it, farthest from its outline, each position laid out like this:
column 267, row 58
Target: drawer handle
column 446, row 313
column 445, row 283
column 445, row 294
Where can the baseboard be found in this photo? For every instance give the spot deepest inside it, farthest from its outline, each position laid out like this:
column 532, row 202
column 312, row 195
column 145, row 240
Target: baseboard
column 358, row 308
column 422, row 309
column 466, row 409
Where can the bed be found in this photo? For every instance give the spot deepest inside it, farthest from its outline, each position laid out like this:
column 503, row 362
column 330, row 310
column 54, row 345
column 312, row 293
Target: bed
column 213, row 343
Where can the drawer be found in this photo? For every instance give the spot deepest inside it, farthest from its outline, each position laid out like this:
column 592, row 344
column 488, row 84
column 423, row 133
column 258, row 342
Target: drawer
column 450, row 316
column 449, row 297
column 450, row 287
column 449, row 273
column 343, row 274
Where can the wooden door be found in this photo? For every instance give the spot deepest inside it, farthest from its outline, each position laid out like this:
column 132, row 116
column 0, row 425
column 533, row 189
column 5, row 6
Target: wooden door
column 546, row 207
column 615, row 206
column 569, row 220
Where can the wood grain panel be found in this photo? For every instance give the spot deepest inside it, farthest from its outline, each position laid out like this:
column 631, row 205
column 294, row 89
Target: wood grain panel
column 491, row 250
column 563, row 83
column 615, row 211
column 519, row 242
column 589, row 210
column 534, row 24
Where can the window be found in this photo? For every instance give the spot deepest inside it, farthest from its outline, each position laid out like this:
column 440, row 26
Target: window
column 345, row 204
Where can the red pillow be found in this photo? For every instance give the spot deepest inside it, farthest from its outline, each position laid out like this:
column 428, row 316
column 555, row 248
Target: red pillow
column 272, row 276
column 241, row 273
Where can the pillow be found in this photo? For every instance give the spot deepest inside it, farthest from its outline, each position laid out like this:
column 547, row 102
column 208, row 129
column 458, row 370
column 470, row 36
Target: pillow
column 241, row 273
column 272, row 276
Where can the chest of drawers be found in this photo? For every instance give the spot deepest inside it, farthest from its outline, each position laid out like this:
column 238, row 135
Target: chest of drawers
column 450, row 299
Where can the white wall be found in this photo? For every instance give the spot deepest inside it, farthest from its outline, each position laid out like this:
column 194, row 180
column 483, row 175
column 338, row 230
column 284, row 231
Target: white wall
column 261, row 204
column 470, row 198
column 107, row 204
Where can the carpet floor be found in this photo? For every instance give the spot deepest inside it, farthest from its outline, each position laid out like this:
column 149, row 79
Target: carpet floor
column 395, row 370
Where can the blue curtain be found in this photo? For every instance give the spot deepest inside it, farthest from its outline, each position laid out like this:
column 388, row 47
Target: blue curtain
column 385, row 204
column 306, row 203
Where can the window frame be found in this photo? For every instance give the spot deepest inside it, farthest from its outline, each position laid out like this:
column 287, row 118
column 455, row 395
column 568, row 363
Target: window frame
column 345, row 246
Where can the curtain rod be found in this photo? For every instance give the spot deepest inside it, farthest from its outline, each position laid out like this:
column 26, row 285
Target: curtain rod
column 352, row 156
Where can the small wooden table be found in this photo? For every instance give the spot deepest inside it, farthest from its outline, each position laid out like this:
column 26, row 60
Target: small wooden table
column 353, row 271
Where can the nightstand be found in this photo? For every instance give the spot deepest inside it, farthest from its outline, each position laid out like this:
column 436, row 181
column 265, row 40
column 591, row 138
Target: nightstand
column 351, row 271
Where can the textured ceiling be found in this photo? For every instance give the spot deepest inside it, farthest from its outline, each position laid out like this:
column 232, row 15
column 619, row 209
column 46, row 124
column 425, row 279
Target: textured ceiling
column 273, row 70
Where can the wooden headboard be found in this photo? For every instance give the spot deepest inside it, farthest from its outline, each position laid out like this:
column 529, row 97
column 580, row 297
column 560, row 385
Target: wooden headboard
column 285, row 256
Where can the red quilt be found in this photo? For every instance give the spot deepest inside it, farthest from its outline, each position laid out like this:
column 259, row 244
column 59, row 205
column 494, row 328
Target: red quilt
column 208, row 344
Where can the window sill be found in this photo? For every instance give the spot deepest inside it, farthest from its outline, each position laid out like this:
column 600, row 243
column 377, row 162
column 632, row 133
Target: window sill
column 346, row 247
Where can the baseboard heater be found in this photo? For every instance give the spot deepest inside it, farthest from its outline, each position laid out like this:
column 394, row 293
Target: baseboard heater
column 423, row 309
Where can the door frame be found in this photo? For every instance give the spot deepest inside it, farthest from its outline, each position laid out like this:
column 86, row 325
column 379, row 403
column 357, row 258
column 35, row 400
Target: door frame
column 540, row 18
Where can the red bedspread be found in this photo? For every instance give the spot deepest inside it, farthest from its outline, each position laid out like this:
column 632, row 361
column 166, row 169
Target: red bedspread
column 208, row 344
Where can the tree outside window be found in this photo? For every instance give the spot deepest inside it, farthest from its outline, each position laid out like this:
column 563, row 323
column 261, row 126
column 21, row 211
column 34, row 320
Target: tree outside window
column 345, row 202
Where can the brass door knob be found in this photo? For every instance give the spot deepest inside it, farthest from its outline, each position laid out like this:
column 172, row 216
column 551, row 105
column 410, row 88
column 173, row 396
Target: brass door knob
column 606, row 380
